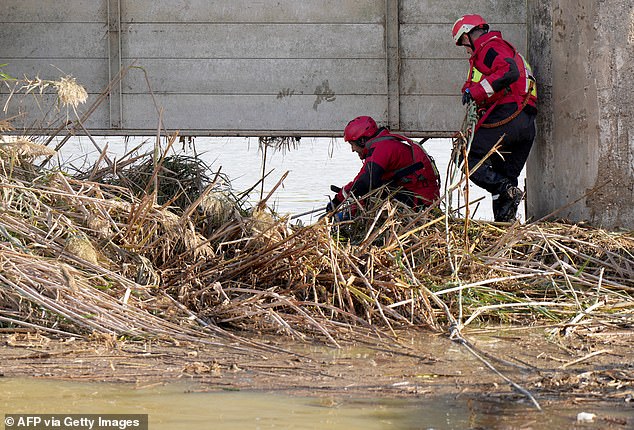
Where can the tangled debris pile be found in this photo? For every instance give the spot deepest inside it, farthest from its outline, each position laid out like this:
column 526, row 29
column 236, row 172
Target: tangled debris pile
column 80, row 256
column 160, row 249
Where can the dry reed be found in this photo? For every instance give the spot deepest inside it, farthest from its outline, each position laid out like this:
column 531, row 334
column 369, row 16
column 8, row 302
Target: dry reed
column 82, row 256
column 153, row 247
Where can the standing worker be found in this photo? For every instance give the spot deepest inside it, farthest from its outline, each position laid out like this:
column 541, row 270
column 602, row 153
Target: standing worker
column 389, row 159
column 501, row 84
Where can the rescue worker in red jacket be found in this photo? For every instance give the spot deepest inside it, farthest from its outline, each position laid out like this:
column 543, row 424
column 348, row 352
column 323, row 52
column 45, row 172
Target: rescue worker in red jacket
column 389, row 159
column 500, row 82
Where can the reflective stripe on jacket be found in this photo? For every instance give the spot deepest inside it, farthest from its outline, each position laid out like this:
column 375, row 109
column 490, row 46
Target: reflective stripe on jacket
column 498, row 73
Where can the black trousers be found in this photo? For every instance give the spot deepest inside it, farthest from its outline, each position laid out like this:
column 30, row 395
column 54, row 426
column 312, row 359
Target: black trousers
column 503, row 168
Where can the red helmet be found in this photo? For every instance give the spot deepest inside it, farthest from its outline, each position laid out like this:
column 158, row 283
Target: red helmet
column 361, row 126
column 465, row 24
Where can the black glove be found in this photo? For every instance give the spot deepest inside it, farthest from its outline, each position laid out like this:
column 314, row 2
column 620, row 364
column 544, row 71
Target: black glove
column 332, row 204
column 466, row 97
column 335, row 189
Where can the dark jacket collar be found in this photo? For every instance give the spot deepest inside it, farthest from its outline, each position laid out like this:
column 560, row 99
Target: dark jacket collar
column 486, row 37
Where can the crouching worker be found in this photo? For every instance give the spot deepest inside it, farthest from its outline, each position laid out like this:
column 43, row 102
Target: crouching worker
column 392, row 159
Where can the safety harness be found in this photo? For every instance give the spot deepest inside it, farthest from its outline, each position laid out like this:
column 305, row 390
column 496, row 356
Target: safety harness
column 510, row 118
column 400, row 175
column 475, row 76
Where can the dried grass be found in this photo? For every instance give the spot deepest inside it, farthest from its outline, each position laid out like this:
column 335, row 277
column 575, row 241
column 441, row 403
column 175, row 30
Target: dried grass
column 5, row 125
column 22, row 147
column 83, row 256
column 153, row 247
column 70, row 93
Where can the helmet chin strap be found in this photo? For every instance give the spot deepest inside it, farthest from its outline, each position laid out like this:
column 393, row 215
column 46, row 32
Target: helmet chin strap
column 366, row 139
column 471, row 45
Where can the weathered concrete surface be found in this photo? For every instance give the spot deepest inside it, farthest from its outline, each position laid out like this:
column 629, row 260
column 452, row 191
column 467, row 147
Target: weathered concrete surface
column 583, row 56
column 238, row 67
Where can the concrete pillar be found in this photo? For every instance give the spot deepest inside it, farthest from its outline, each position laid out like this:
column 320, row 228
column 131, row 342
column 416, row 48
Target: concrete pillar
column 582, row 52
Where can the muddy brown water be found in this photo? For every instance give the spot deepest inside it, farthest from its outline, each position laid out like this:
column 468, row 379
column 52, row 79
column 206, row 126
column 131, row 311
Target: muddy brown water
column 180, row 406
column 432, row 384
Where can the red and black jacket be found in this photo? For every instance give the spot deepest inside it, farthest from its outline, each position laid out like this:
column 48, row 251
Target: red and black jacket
column 500, row 75
column 399, row 162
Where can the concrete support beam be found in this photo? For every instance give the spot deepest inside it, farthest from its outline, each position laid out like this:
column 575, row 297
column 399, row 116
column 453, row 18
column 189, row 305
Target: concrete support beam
column 114, row 62
column 582, row 164
column 393, row 73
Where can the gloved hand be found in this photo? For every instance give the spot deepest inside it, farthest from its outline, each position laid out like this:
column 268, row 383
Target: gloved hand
column 466, row 97
column 333, row 203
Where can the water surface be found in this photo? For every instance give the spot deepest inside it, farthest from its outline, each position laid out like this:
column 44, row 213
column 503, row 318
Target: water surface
column 313, row 166
column 187, row 406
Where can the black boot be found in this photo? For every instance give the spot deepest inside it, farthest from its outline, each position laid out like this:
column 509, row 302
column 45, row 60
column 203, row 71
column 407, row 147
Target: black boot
column 506, row 202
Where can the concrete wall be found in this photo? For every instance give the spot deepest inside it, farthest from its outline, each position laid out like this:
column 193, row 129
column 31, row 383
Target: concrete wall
column 433, row 68
column 50, row 41
column 583, row 55
column 272, row 67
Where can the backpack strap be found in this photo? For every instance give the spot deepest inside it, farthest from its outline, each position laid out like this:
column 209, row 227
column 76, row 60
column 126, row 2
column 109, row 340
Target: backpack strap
column 406, row 171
